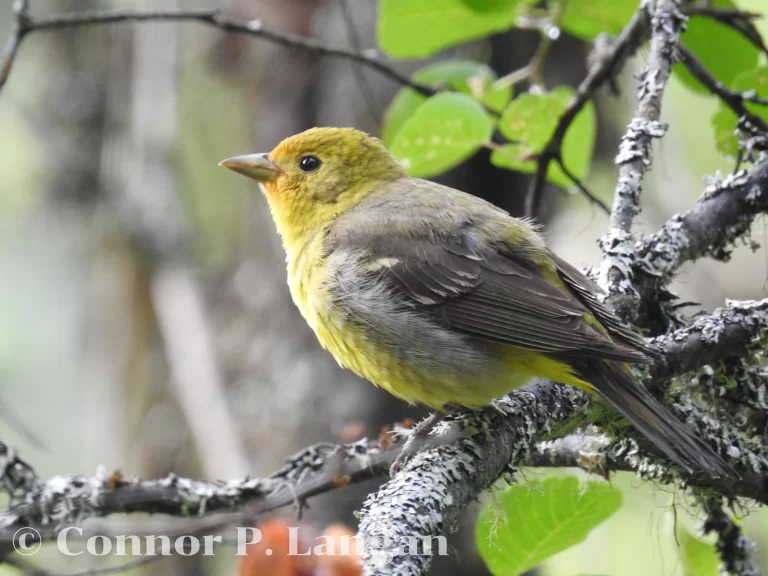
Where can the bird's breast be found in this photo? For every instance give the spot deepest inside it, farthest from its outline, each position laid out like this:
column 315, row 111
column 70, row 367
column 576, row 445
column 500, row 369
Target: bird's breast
column 407, row 355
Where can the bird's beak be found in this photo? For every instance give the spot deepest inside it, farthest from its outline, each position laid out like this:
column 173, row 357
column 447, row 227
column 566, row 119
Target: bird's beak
column 256, row 166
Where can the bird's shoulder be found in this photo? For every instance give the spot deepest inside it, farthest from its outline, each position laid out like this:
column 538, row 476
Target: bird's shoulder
column 410, row 215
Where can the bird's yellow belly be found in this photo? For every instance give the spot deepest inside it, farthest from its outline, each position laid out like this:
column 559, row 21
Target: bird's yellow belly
column 415, row 381
column 409, row 381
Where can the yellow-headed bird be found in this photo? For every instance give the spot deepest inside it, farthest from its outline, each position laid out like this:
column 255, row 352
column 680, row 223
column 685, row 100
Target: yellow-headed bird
column 440, row 297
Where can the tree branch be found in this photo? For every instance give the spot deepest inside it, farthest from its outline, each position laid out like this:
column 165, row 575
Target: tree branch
column 634, row 157
column 723, row 214
column 734, row 547
column 734, row 100
column 739, row 20
column 580, row 185
column 606, row 68
column 67, row 500
column 256, row 28
column 429, row 494
column 19, row 29
column 426, row 497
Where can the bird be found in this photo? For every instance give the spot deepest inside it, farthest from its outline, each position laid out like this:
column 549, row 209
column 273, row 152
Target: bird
column 441, row 298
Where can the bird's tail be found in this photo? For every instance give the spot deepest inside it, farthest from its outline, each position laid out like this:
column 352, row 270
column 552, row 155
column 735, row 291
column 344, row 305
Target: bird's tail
column 614, row 382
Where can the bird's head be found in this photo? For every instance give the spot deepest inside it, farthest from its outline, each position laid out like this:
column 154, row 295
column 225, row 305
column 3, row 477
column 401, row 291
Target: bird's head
column 311, row 178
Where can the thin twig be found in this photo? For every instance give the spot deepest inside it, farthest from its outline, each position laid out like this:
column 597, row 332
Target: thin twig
column 580, row 185
column 214, row 18
column 630, row 39
column 536, row 190
column 739, row 20
column 707, row 9
column 513, row 77
column 734, row 100
column 751, row 96
column 549, row 32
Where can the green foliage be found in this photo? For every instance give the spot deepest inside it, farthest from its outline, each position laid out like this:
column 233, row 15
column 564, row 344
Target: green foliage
column 725, row 119
column 417, row 29
column 529, row 523
column 586, row 19
column 724, row 122
column 724, row 51
column 699, row 558
column 465, row 76
column 443, row 132
column 490, row 5
column 531, row 119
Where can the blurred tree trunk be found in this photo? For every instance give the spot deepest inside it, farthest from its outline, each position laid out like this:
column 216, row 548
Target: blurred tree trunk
column 72, row 124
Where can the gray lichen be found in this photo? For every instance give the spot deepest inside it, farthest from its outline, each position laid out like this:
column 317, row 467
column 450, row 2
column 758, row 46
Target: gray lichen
column 426, row 497
column 733, row 546
column 721, row 218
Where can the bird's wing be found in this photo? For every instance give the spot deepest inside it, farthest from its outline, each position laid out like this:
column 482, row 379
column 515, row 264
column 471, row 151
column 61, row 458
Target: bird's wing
column 496, row 296
column 587, row 292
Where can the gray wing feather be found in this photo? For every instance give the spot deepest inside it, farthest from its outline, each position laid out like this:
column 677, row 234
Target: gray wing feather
column 454, row 276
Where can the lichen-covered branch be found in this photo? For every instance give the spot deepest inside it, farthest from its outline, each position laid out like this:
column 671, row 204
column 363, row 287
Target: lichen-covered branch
column 723, row 214
column 733, row 546
column 67, row 500
column 726, row 332
column 17, row 478
column 594, row 453
column 634, row 156
column 427, row 496
column 19, row 29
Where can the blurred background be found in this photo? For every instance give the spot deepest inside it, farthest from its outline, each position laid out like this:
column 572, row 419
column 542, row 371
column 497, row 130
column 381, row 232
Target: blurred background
column 146, row 323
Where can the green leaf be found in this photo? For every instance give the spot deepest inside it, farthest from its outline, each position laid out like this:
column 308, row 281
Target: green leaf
column 444, row 132
column 419, row 28
column 515, row 157
column 725, row 119
column 466, row 76
column 586, row 19
column 529, row 523
column 490, row 5
column 699, row 558
column 724, row 123
column 531, row 119
column 724, row 51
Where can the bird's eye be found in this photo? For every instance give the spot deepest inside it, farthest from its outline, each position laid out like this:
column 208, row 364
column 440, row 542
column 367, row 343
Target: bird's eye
column 309, row 163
